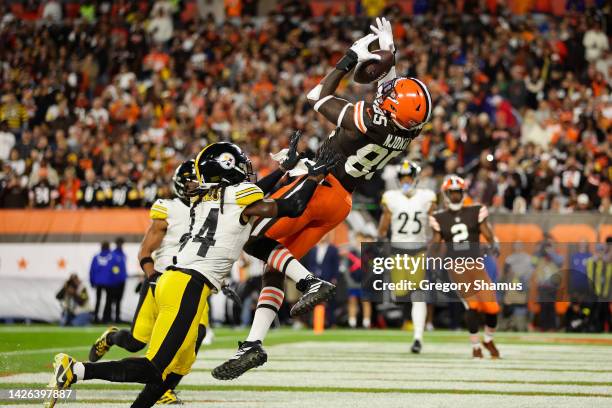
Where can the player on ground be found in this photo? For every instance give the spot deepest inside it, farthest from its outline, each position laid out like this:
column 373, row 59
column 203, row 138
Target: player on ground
column 169, row 222
column 221, row 217
column 406, row 212
column 367, row 137
column 460, row 224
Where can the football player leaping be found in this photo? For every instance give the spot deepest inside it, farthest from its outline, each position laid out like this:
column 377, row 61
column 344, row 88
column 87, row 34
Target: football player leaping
column 221, row 217
column 460, row 226
column 406, row 211
column 367, row 137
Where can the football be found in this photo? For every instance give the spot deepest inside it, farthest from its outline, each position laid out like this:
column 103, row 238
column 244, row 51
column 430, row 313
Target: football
column 370, row 71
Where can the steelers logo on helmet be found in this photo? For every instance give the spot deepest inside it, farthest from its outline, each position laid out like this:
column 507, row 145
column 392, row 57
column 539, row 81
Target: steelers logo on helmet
column 227, row 160
column 223, row 162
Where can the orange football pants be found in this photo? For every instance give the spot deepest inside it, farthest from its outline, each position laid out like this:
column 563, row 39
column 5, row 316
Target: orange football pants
column 483, row 301
column 328, row 207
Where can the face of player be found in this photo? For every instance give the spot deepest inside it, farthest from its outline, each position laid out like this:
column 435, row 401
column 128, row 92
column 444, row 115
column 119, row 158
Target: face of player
column 190, row 186
column 407, row 182
column 455, row 196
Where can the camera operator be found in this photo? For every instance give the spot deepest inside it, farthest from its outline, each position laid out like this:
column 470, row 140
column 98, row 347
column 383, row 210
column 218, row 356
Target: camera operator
column 74, row 299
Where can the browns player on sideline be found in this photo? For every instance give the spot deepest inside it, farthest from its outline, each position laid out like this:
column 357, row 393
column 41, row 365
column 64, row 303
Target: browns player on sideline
column 464, row 224
column 368, row 135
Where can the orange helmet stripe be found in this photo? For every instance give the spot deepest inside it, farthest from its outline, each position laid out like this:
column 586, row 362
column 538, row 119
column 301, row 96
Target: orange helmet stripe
column 427, row 99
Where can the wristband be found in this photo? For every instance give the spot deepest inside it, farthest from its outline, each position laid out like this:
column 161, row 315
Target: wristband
column 347, row 62
column 145, row 260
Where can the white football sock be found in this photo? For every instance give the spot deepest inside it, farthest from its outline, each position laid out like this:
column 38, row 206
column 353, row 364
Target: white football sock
column 366, row 323
column 419, row 315
column 475, row 340
column 488, row 334
column 352, row 321
column 79, row 371
column 270, row 301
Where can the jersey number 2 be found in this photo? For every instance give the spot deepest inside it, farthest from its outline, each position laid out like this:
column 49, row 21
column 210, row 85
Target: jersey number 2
column 206, row 235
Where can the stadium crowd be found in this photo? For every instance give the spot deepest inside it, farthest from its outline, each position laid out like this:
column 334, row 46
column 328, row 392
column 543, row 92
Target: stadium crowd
column 98, row 110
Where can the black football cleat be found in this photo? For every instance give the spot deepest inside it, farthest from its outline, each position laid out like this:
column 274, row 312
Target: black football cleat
column 250, row 354
column 416, row 347
column 101, row 346
column 315, row 291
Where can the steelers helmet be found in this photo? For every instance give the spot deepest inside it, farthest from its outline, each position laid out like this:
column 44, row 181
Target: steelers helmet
column 408, row 168
column 224, row 163
column 183, row 174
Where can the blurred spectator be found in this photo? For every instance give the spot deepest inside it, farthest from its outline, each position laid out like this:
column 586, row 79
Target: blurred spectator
column 7, row 141
column 579, row 282
column 14, row 195
column 118, row 278
column 101, row 278
column 14, row 113
column 518, row 268
column 68, row 189
column 595, row 42
column 351, row 267
column 599, row 273
column 74, row 298
column 52, row 11
column 133, row 98
column 160, row 24
column 544, row 285
column 324, row 262
column 43, row 194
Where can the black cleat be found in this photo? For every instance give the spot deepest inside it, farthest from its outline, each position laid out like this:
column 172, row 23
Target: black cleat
column 416, row 347
column 101, row 346
column 315, row 291
column 250, row 354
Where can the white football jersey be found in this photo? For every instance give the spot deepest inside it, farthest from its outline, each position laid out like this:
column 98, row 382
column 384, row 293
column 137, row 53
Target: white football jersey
column 216, row 238
column 176, row 213
column 409, row 214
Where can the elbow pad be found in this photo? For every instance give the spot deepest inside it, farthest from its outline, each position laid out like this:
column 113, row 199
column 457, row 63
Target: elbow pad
column 294, row 206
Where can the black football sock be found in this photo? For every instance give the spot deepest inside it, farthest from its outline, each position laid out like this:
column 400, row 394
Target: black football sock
column 125, row 340
column 152, row 392
column 134, row 369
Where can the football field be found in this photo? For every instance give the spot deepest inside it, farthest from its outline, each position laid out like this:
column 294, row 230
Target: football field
column 342, row 368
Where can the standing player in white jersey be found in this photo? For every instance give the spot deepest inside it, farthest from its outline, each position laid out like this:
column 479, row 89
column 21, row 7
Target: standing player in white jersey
column 221, row 218
column 169, row 223
column 406, row 212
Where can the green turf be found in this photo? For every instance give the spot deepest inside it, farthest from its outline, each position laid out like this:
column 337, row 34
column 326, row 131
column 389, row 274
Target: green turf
column 29, row 349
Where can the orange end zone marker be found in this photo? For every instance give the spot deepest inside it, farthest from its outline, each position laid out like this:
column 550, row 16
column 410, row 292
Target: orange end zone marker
column 318, row 319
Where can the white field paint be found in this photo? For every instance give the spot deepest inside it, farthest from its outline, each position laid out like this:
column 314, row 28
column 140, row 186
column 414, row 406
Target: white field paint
column 443, row 366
